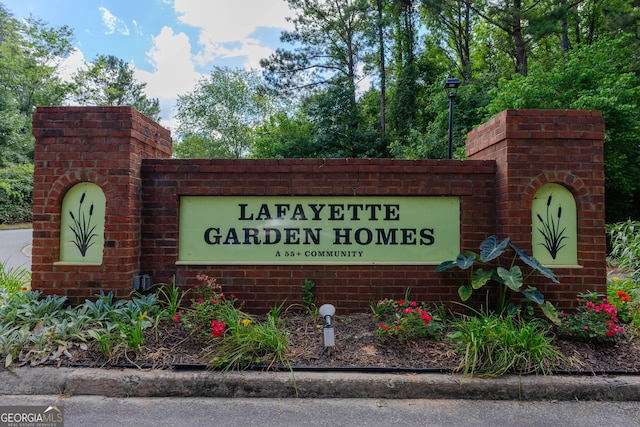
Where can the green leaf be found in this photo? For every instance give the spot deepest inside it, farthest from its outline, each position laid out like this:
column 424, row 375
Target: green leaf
column 535, row 264
column 491, row 248
column 550, row 311
column 533, row 295
column 480, row 278
column 512, row 277
column 465, row 260
column 465, row 292
column 445, row 266
column 513, row 309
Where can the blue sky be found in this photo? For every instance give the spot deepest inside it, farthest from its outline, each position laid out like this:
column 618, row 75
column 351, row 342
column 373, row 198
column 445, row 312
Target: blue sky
column 171, row 43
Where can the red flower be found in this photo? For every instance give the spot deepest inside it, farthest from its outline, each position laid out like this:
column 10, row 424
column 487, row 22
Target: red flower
column 217, row 328
column 623, row 296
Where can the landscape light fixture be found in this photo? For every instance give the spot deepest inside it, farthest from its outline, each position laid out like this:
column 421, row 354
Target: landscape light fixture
column 451, row 86
column 327, row 311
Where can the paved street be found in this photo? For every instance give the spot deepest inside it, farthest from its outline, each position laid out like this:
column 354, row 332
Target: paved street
column 159, row 412
column 15, row 247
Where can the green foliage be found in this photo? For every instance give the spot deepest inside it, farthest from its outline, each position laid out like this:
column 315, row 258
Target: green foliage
column 170, row 297
column 494, row 345
column 16, row 144
column 285, row 136
column 602, row 76
column 220, row 117
column 36, row 329
column 595, row 320
column 111, row 81
column 246, row 342
column 14, row 279
column 308, row 295
column 208, row 304
column 31, row 53
column 509, row 279
column 624, row 294
column 16, row 194
column 237, row 340
column 624, row 241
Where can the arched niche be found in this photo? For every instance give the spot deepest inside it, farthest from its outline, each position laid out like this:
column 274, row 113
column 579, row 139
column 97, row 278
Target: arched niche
column 554, row 226
column 82, row 225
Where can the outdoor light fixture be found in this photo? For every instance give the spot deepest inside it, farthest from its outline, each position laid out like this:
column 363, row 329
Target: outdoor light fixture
column 451, row 86
column 327, row 311
column 141, row 282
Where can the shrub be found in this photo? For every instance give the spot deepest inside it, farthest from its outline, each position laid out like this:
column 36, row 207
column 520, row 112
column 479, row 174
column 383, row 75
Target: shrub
column 208, row 305
column 624, row 294
column 236, row 339
column 595, row 320
column 16, row 194
column 404, row 319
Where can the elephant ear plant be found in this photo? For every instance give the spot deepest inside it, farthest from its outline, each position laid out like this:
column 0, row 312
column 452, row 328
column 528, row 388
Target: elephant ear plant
column 509, row 278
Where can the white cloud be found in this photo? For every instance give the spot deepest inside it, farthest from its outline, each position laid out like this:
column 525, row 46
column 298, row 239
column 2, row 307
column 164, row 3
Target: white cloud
column 224, row 21
column 71, row 64
column 112, row 22
column 173, row 70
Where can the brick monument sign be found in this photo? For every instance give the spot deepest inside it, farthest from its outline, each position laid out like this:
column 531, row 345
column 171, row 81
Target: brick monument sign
column 111, row 206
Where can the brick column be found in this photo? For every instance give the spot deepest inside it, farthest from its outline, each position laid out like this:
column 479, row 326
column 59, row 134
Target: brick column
column 105, row 146
column 535, row 147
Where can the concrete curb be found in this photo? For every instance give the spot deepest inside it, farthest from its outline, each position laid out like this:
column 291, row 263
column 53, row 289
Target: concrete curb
column 332, row 384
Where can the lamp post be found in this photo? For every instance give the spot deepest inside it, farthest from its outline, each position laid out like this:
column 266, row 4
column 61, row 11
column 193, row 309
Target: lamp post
column 327, row 311
column 451, row 86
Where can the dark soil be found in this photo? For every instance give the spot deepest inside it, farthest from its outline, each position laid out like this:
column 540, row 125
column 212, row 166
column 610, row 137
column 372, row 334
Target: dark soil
column 356, row 346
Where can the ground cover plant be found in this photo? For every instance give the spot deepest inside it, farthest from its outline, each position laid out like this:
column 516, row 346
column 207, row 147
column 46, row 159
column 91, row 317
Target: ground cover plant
column 208, row 328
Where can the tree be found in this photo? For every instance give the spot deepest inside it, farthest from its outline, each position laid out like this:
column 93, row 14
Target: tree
column 285, row 136
column 330, row 41
column 16, row 144
column 510, row 16
column 452, row 22
column 403, row 105
column 220, row 117
column 601, row 76
column 111, row 81
column 30, row 56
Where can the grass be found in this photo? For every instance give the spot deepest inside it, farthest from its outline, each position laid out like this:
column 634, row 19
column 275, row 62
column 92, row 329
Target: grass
column 14, row 279
column 495, row 345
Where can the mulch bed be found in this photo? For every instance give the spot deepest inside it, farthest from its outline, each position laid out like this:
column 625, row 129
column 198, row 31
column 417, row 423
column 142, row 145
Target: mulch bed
column 356, row 347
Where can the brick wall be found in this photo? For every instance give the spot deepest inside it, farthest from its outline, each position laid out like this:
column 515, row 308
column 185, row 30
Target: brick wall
column 532, row 148
column 103, row 145
column 349, row 287
column 128, row 156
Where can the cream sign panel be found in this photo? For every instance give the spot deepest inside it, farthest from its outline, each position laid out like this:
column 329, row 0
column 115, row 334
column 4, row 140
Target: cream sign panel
column 318, row 230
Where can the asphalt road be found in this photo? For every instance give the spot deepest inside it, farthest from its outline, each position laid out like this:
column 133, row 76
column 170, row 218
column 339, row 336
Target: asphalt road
column 160, row 412
column 15, row 248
